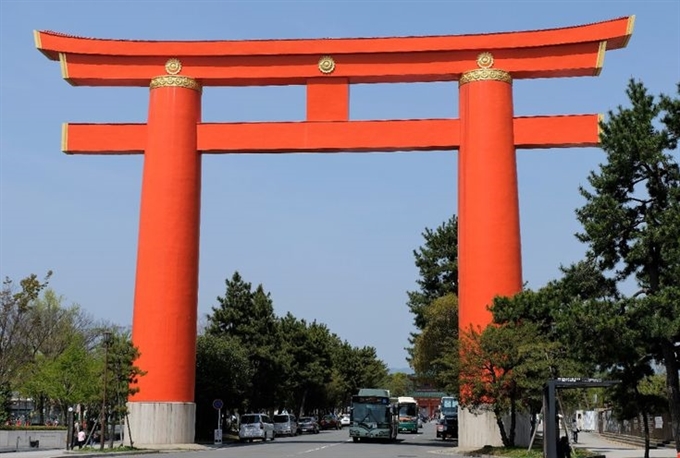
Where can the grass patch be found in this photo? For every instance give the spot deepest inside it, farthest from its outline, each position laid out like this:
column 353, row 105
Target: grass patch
column 32, row 428
column 509, row 452
column 522, row 452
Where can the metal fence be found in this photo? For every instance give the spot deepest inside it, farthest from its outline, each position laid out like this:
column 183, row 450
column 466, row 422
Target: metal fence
column 660, row 427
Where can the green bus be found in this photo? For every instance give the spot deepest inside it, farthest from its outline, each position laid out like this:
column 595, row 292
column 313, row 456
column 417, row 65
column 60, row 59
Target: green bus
column 373, row 415
column 408, row 414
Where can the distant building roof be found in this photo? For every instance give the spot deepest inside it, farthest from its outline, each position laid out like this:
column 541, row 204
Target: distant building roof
column 428, row 394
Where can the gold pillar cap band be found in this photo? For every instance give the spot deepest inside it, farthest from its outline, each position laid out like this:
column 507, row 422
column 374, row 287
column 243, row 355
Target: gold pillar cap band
column 485, row 74
column 175, row 81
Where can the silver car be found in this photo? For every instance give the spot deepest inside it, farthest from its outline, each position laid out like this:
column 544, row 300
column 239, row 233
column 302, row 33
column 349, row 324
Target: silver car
column 255, row 426
column 285, row 425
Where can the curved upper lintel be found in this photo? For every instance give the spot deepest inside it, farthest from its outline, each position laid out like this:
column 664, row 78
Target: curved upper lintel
column 563, row 52
column 616, row 32
column 629, row 30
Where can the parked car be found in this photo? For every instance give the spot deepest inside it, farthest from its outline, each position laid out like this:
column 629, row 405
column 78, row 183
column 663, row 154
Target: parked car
column 344, row 420
column 447, row 427
column 308, row 425
column 329, row 421
column 255, row 426
column 285, row 425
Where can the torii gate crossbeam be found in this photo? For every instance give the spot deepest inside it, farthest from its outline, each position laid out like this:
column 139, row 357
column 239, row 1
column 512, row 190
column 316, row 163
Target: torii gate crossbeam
column 174, row 139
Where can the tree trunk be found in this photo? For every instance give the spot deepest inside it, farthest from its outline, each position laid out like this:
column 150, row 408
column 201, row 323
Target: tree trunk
column 645, row 422
column 513, row 420
column 41, row 409
column 501, row 427
column 127, row 422
column 672, row 388
column 112, row 427
column 302, row 404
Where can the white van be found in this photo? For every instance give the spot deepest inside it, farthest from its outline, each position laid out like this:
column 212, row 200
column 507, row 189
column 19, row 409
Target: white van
column 285, row 425
column 255, row 426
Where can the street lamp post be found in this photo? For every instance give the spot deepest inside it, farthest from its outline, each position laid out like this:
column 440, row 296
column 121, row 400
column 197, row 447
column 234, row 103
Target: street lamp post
column 102, row 415
column 69, row 429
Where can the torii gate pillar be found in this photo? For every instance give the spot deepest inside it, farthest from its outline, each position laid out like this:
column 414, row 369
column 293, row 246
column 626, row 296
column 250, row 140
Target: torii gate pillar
column 489, row 251
column 489, row 254
column 486, row 135
column 166, row 288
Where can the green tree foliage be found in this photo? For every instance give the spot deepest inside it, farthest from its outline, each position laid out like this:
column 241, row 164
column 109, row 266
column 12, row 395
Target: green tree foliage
column 435, row 350
column 233, row 314
column 15, row 305
column 506, row 365
column 223, row 371
column 310, row 349
column 267, row 356
column 634, row 397
column 52, row 329
column 53, row 353
column 121, row 372
column 631, row 224
column 671, row 117
column 248, row 316
column 547, row 307
column 355, row 368
column 437, row 263
column 67, row 379
column 293, row 364
column 503, row 369
column 370, row 372
column 399, row 384
column 52, row 325
column 5, row 402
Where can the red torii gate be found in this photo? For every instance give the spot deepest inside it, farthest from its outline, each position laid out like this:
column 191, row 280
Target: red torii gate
column 174, row 138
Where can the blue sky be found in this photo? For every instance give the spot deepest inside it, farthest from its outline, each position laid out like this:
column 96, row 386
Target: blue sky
column 330, row 236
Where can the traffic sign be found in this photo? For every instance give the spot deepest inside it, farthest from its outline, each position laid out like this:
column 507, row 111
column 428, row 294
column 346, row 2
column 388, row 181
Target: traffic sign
column 218, row 404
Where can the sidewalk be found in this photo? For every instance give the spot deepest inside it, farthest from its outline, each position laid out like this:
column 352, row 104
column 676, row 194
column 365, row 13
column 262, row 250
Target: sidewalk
column 33, row 453
column 84, row 453
column 598, row 444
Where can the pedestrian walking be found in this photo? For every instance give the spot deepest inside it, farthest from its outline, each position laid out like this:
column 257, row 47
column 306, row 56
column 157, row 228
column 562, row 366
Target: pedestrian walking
column 574, row 431
column 81, row 438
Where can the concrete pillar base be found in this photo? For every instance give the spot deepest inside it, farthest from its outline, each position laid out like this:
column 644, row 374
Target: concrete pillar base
column 475, row 430
column 157, row 423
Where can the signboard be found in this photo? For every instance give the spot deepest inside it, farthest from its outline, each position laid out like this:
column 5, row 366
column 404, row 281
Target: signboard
column 658, row 422
column 218, row 404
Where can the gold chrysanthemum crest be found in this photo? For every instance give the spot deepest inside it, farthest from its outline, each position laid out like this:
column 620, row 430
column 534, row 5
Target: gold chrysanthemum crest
column 485, row 60
column 326, row 65
column 173, row 66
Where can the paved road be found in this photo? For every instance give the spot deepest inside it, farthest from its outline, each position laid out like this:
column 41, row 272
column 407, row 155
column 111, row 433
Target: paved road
column 326, row 444
column 337, row 444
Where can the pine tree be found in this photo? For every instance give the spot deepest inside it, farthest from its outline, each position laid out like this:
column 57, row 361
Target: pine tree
column 631, row 223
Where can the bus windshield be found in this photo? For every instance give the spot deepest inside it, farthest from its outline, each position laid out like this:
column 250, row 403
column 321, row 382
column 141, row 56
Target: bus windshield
column 449, row 406
column 408, row 410
column 370, row 409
